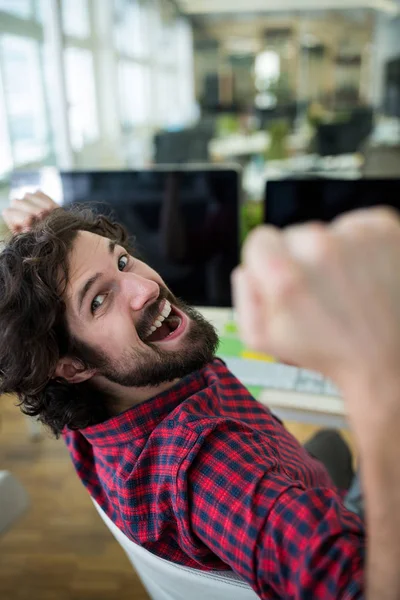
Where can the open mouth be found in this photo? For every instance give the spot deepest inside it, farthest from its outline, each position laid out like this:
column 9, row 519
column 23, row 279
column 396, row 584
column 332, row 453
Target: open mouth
column 167, row 325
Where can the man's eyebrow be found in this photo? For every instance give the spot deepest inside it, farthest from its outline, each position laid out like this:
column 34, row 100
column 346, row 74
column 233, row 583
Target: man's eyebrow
column 84, row 290
column 90, row 282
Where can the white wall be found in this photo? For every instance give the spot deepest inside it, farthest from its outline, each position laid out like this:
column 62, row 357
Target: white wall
column 386, row 45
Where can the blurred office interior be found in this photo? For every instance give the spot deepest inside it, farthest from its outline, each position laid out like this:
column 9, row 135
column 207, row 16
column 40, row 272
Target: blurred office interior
column 292, row 92
column 278, row 87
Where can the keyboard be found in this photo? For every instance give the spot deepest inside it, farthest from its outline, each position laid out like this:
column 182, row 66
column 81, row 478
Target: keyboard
column 276, row 376
column 291, row 393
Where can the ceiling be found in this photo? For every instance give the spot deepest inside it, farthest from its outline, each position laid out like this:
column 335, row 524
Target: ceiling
column 224, row 7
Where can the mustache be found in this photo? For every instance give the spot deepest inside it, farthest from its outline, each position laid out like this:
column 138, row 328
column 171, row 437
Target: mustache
column 152, row 311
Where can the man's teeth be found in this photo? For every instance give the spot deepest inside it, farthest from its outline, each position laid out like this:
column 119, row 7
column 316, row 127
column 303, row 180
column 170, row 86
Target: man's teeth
column 166, row 311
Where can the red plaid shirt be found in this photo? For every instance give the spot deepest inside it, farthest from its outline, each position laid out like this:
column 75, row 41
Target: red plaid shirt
column 205, row 476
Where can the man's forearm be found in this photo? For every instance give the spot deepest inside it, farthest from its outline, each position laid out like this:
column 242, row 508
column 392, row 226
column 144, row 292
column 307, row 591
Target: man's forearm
column 381, row 482
column 377, row 431
column 378, row 436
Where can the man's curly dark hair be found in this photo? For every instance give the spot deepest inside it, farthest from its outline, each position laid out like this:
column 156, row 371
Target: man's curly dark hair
column 33, row 328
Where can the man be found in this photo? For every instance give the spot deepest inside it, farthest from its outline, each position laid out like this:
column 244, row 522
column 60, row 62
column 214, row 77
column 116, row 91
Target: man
column 167, row 441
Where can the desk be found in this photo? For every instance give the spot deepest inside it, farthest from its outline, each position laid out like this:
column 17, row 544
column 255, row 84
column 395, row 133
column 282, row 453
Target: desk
column 317, row 409
column 325, row 411
column 237, row 144
column 347, row 166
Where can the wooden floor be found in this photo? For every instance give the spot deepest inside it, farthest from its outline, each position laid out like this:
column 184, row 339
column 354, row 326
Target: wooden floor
column 60, row 549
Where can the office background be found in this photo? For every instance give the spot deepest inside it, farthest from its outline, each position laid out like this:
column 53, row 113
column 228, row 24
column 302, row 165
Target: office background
column 292, row 91
column 129, row 83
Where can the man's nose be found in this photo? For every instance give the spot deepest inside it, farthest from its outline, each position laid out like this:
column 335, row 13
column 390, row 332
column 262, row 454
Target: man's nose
column 139, row 291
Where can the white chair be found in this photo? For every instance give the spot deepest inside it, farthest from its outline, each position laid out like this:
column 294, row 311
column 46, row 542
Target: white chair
column 13, row 499
column 165, row 580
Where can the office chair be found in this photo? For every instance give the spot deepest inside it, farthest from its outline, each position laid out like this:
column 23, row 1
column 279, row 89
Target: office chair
column 13, row 500
column 165, row 580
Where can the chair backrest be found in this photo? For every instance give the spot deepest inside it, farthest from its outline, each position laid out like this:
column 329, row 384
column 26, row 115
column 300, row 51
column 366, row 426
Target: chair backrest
column 13, row 499
column 165, row 580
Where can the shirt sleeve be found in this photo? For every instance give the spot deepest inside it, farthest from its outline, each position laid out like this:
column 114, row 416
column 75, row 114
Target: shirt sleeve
column 235, row 497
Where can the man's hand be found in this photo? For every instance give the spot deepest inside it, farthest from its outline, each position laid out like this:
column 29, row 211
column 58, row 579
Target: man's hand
column 328, row 298
column 23, row 213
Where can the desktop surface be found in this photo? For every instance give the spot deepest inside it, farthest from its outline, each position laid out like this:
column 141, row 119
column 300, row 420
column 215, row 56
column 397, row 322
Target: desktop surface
column 290, row 392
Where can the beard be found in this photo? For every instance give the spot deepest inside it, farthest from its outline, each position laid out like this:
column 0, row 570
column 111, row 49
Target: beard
column 140, row 368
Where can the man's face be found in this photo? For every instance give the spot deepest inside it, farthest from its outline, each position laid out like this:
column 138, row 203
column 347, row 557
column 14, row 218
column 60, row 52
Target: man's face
column 126, row 322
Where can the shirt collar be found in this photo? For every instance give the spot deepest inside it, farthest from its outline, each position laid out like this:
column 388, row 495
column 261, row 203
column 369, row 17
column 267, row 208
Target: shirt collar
column 140, row 420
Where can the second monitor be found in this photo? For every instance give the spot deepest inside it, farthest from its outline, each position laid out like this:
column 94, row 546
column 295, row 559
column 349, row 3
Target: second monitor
column 292, row 201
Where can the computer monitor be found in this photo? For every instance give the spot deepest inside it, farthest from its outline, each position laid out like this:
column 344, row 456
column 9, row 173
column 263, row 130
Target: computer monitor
column 184, row 222
column 292, row 201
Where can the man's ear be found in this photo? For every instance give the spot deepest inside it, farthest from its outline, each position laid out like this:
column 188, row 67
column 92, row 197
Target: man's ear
column 73, row 371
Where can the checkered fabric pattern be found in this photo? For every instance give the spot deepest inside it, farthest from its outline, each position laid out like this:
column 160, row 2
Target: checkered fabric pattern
column 205, row 476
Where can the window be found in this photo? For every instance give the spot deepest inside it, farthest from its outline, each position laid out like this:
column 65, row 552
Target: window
column 18, row 8
column 166, row 105
column 131, row 29
column 24, row 98
column 162, row 29
column 267, row 68
column 150, row 62
column 174, row 86
column 24, row 9
column 75, row 18
column 40, row 10
column 167, row 47
column 185, row 70
column 81, row 94
column 134, row 93
column 5, row 149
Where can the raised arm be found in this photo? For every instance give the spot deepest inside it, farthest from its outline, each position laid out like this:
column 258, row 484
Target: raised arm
column 328, row 298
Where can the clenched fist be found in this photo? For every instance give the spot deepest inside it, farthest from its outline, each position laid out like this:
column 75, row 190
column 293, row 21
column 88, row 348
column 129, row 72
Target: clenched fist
column 327, row 297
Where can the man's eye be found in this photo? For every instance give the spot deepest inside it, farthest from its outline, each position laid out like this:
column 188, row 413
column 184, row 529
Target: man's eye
column 122, row 262
column 97, row 302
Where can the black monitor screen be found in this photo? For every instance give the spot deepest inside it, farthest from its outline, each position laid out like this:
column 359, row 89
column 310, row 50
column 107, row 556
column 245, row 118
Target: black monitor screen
column 184, row 223
column 292, row 201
